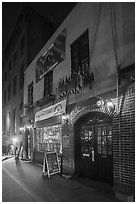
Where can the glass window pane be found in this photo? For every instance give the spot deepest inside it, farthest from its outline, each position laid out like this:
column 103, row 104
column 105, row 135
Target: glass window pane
column 104, row 149
column 109, row 140
column 99, row 140
column 104, row 131
column 99, row 130
column 99, row 149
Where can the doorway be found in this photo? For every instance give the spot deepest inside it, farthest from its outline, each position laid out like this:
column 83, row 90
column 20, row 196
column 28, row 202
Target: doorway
column 93, row 147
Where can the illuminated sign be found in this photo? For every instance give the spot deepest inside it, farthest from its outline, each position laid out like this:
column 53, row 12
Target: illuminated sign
column 51, row 111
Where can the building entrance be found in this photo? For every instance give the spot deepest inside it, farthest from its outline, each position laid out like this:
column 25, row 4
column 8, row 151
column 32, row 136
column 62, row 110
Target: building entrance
column 93, row 154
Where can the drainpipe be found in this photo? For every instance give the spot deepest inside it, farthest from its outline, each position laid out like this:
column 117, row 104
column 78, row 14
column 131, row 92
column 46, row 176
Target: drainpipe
column 114, row 38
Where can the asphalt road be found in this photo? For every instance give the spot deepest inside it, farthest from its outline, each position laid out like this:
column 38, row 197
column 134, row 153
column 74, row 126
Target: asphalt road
column 23, row 182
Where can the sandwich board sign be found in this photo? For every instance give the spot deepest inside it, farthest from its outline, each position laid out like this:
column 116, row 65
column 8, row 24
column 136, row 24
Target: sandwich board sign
column 52, row 162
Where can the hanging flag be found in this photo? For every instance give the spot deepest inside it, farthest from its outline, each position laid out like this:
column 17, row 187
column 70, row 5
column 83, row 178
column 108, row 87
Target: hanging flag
column 52, row 57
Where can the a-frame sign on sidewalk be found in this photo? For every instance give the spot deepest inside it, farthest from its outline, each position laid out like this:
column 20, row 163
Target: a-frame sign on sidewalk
column 52, row 162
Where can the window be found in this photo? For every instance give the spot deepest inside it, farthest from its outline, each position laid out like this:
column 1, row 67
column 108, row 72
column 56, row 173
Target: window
column 14, row 120
column 22, row 45
column 4, row 97
column 49, row 139
column 15, row 57
column 9, row 92
column 48, row 84
column 80, row 54
column 21, row 76
column 30, row 94
column 15, row 85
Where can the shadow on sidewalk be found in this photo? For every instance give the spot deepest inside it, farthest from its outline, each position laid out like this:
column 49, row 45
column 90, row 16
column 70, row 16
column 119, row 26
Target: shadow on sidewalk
column 19, row 167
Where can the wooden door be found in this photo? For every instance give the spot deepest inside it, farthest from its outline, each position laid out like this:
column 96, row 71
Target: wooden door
column 96, row 159
column 103, row 151
column 87, row 167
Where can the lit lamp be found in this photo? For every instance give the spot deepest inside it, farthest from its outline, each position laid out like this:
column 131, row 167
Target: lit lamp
column 100, row 103
column 110, row 105
column 64, row 118
column 21, row 128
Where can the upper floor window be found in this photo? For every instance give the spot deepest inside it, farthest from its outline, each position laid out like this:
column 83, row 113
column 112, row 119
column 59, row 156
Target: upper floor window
column 48, row 83
column 30, row 94
column 15, row 85
column 22, row 45
column 80, row 54
column 22, row 76
column 9, row 92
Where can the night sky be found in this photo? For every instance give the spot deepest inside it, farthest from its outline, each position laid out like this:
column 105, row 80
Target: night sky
column 10, row 11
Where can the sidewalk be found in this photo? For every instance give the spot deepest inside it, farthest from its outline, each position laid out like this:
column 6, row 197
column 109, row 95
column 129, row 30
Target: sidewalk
column 6, row 156
column 57, row 188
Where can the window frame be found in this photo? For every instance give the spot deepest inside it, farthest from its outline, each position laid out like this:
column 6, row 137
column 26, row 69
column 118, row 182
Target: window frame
column 48, row 84
column 76, row 48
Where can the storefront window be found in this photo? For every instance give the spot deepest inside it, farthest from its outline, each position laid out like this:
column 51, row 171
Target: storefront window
column 49, row 139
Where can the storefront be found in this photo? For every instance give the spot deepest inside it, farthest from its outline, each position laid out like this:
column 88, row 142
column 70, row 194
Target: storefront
column 48, row 131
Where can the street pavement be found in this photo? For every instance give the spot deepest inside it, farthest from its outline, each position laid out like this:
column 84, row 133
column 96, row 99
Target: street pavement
column 22, row 181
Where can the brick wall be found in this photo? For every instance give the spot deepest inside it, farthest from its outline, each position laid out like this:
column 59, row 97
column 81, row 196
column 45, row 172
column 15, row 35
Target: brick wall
column 124, row 143
column 68, row 149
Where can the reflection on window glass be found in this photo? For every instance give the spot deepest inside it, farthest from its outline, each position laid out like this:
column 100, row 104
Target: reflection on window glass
column 99, row 149
column 109, row 140
column 99, row 140
column 99, row 130
column 104, row 149
column 49, row 139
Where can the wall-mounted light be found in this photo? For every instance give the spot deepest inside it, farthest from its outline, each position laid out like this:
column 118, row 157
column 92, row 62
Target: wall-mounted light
column 65, row 118
column 109, row 104
column 100, row 103
column 21, row 128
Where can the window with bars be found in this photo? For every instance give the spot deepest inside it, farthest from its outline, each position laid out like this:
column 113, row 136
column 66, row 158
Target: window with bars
column 48, row 84
column 30, row 94
column 80, row 54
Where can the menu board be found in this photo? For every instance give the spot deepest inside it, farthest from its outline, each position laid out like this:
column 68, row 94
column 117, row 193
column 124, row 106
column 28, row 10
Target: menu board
column 52, row 162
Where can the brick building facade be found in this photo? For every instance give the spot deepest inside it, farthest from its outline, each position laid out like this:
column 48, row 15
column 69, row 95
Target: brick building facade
column 94, row 76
